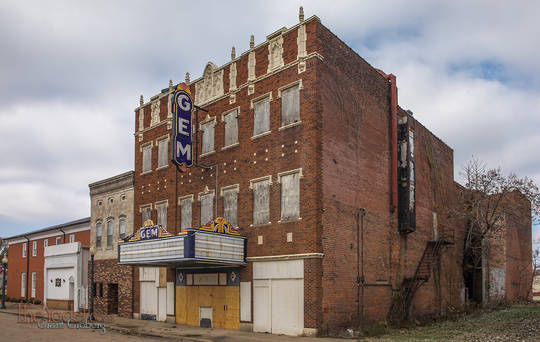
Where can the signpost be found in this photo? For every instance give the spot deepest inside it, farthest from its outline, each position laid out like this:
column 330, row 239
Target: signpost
column 182, row 142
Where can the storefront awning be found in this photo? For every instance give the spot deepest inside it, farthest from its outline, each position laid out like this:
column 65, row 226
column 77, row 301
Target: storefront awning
column 213, row 245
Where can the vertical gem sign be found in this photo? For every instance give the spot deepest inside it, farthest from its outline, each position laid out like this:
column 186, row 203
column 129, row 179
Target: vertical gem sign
column 182, row 144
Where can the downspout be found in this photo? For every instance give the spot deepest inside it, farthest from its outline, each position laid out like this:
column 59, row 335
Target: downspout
column 360, row 265
column 393, row 129
column 64, row 233
column 27, row 265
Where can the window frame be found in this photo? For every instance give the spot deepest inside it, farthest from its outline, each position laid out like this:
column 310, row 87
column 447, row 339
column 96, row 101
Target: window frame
column 146, row 147
column 24, row 249
column 205, row 193
column 142, row 209
column 230, row 188
column 181, row 201
column 158, row 205
column 285, row 174
column 99, row 224
column 33, row 285
column 207, row 122
column 110, row 237
column 164, row 139
column 23, row 284
column 58, row 238
column 252, row 183
column 34, row 248
column 122, row 219
column 253, row 104
column 286, row 88
column 223, row 116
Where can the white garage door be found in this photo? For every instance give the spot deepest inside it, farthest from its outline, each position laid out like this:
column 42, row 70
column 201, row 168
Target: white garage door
column 278, row 297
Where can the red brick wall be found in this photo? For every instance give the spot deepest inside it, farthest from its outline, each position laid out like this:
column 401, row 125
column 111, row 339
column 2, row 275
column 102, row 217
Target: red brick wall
column 17, row 264
column 109, row 272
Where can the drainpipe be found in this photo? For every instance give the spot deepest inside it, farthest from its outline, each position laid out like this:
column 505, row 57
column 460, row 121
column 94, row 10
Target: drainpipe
column 27, row 265
column 360, row 265
column 63, row 232
column 393, row 129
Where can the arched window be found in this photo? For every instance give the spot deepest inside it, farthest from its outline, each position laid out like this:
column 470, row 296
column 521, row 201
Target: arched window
column 99, row 232
column 122, row 227
column 110, row 223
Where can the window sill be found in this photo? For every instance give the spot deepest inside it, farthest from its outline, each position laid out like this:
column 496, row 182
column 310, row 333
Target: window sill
column 230, row 146
column 162, row 167
column 146, row 172
column 207, row 154
column 290, row 125
column 260, row 135
column 290, row 220
column 260, row 225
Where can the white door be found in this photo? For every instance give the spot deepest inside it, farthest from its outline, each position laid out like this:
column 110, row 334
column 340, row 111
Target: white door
column 287, row 306
column 149, row 298
column 261, row 306
column 278, row 297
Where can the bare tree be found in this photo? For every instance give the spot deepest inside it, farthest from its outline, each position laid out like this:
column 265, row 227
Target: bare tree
column 491, row 196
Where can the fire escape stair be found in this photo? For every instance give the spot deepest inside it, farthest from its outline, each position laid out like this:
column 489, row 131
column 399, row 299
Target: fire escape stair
column 431, row 255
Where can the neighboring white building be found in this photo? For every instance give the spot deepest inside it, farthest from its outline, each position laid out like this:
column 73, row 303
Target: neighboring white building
column 66, row 276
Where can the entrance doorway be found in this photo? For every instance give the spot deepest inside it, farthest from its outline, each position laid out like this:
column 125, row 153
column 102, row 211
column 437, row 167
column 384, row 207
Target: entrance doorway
column 112, row 300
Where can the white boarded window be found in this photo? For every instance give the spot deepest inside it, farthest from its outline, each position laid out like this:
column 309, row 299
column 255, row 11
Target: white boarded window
column 110, row 227
column 23, row 284
column 230, row 204
column 290, row 194
column 34, row 248
column 146, row 213
column 161, row 209
column 122, row 228
column 207, row 206
column 261, row 200
column 99, row 232
column 185, row 212
column 33, row 293
column 231, row 128
column 24, row 250
column 261, row 116
column 58, row 240
column 290, row 106
column 147, row 158
column 163, row 152
column 72, row 238
column 208, row 136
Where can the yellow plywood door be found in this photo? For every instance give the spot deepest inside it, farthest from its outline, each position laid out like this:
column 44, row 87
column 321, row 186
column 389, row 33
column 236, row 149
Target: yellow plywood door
column 232, row 315
column 224, row 300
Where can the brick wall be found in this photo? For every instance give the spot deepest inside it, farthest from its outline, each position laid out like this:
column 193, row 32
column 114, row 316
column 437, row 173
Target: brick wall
column 109, row 272
column 17, row 264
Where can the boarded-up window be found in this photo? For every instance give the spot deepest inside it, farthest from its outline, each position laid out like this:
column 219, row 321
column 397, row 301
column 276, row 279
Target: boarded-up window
column 33, row 293
column 109, row 233
column 122, row 228
column 163, row 152
column 261, row 119
column 290, row 196
column 208, row 137
column 161, row 209
column 146, row 213
column 290, row 106
column 99, row 232
column 147, row 158
column 261, row 201
column 231, row 128
column 207, row 208
column 24, row 250
column 230, row 205
column 185, row 220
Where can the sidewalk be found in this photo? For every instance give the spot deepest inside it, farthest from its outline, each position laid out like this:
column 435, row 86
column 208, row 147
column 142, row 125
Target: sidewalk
column 173, row 331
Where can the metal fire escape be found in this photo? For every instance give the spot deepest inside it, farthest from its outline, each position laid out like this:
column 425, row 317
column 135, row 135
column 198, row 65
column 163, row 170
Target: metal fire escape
column 431, row 256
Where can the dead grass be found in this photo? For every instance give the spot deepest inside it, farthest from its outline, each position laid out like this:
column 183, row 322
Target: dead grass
column 519, row 322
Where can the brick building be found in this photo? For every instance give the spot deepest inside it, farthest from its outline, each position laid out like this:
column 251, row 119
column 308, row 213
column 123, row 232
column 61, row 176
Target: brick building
column 27, row 253
column 111, row 219
column 339, row 192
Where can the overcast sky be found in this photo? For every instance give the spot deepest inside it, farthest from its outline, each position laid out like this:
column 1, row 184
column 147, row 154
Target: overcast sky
column 71, row 73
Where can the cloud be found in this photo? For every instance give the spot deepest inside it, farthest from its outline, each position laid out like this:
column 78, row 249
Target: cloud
column 72, row 72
